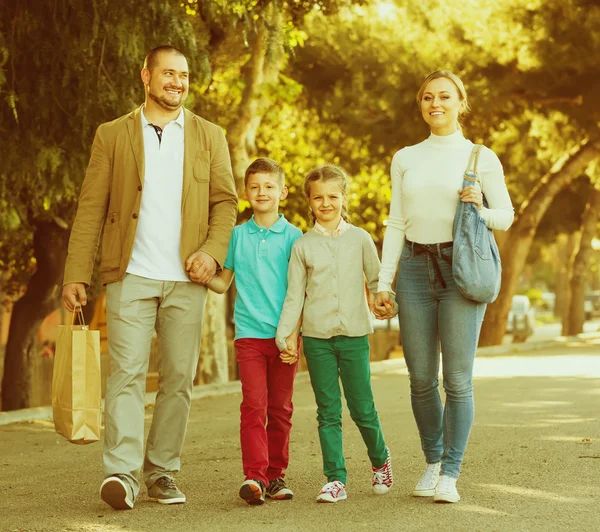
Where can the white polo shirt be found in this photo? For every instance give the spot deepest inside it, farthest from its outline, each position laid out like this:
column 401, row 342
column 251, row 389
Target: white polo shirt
column 156, row 248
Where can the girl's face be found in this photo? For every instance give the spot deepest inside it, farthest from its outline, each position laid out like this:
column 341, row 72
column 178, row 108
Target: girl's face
column 326, row 200
column 441, row 105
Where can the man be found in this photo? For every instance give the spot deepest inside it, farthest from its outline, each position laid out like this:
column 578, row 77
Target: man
column 160, row 182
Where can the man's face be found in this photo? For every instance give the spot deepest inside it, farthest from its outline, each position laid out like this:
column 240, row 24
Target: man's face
column 168, row 82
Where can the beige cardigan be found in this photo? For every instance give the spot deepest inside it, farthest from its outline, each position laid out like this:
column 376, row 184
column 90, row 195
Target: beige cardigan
column 326, row 285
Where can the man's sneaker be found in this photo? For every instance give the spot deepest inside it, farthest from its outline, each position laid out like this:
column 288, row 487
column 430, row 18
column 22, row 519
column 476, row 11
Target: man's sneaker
column 115, row 491
column 253, row 492
column 382, row 476
column 164, row 491
column 426, row 486
column 446, row 490
column 278, row 491
column 333, row 492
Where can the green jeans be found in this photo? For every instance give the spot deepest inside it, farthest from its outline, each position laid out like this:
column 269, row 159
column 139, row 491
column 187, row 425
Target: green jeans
column 346, row 358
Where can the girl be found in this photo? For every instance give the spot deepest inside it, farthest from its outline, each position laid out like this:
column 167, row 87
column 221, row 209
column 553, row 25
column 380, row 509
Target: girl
column 326, row 287
column 432, row 311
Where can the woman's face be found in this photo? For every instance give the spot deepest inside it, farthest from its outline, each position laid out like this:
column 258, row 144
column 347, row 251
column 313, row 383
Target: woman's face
column 441, row 105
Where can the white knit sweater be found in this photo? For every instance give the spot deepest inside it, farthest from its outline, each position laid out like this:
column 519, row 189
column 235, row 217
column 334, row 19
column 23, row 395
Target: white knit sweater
column 425, row 183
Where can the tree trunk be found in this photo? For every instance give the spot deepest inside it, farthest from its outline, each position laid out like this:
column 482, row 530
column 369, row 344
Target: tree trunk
column 569, row 258
column 520, row 235
column 50, row 250
column 261, row 71
column 562, row 275
column 581, row 264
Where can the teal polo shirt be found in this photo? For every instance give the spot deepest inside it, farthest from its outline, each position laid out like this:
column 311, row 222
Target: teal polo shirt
column 259, row 258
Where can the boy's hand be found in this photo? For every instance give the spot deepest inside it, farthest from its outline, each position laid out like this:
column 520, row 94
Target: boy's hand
column 288, row 358
column 290, row 354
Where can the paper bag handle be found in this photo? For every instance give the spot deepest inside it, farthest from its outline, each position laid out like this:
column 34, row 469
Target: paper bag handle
column 79, row 313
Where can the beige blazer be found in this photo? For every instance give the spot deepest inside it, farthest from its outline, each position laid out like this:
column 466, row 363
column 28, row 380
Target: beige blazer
column 111, row 193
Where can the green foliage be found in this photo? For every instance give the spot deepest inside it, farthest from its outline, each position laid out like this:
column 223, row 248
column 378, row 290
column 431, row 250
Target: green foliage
column 346, row 93
column 63, row 71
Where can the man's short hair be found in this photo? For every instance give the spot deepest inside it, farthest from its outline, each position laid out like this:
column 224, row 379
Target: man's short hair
column 264, row 165
column 152, row 57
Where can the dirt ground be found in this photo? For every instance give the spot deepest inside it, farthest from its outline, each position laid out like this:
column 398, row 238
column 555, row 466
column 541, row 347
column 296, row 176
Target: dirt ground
column 533, row 463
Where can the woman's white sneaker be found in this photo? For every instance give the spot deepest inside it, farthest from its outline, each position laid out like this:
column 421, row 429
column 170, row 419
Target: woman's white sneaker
column 446, row 490
column 426, row 486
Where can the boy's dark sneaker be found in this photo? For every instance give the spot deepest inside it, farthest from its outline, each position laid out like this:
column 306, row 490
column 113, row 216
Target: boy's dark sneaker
column 253, row 492
column 164, row 491
column 278, row 491
column 115, row 492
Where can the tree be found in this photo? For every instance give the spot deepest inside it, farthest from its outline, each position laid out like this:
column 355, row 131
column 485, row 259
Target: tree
column 47, row 122
column 581, row 264
column 521, row 234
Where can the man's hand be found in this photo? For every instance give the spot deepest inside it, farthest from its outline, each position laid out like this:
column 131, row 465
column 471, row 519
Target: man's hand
column 201, row 267
column 74, row 296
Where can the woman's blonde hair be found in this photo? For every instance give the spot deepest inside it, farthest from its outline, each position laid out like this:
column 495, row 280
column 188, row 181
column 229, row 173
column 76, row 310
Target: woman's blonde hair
column 460, row 87
column 328, row 172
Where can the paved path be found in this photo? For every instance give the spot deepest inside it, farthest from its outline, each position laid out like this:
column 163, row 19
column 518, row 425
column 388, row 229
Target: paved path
column 533, row 462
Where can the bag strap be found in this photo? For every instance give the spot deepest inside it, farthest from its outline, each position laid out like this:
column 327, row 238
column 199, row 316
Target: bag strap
column 471, row 175
column 79, row 313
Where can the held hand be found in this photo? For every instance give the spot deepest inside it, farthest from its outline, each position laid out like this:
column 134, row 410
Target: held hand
column 288, row 358
column 471, row 194
column 201, row 267
column 74, row 296
column 385, row 308
column 290, row 354
column 371, row 302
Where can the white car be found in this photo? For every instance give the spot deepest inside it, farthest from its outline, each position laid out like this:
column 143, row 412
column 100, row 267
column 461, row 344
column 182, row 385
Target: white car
column 521, row 319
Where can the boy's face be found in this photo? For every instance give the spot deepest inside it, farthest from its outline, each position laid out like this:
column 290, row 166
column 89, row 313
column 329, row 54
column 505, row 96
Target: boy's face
column 264, row 192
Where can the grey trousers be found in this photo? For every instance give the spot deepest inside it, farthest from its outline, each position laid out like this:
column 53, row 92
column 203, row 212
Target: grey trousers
column 135, row 307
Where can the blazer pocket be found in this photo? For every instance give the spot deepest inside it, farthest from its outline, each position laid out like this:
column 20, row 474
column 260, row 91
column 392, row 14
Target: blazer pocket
column 202, row 166
column 110, row 257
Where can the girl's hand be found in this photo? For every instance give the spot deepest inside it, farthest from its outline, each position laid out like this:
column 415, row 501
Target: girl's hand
column 371, row 302
column 385, row 307
column 290, row 354
column 471, row 194
column 288, row 357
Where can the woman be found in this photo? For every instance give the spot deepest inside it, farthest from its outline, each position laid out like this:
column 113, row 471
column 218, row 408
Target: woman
column 432, row 311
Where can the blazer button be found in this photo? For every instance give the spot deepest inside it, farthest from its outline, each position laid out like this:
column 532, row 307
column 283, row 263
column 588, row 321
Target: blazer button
column 112, row 220
column 134, row 216
column 140, row 188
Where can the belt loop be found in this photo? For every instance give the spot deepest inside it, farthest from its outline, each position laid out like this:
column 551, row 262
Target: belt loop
column 439, row 250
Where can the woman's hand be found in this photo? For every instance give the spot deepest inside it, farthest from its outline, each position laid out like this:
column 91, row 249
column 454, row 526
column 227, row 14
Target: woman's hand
column 472, row 194
column 384, row 306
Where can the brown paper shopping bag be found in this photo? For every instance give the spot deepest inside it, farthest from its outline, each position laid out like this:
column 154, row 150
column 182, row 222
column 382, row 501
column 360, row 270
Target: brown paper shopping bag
column 76, row 383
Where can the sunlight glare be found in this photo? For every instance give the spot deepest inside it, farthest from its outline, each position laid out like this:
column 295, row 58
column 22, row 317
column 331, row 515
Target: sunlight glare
column 386, row 10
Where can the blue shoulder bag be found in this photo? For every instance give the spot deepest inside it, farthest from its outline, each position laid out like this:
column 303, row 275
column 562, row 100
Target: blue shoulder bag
column 476, row 265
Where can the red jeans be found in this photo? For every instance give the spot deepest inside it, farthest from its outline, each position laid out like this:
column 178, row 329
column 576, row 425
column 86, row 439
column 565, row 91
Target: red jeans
column 266, row 409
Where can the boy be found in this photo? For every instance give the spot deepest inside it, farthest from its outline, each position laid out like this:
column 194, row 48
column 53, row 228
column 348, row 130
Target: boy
column 259, row 252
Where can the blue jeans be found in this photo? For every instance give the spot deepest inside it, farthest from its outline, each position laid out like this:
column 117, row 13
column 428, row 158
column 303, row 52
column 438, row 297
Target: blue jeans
column 432, row 316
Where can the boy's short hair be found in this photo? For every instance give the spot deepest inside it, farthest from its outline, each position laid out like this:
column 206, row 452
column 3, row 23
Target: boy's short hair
column 264, row 165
